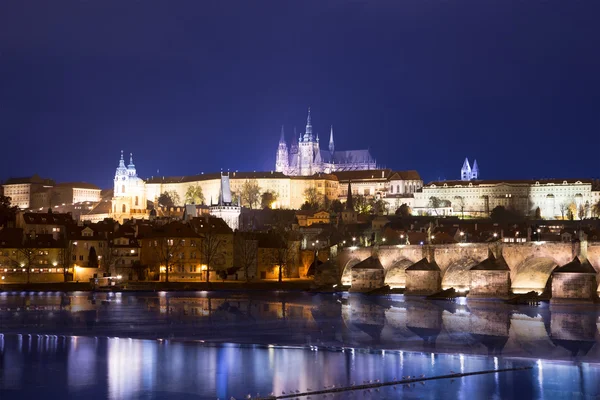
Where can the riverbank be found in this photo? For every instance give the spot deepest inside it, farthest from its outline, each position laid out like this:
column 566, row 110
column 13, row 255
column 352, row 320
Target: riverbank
column 288, row 285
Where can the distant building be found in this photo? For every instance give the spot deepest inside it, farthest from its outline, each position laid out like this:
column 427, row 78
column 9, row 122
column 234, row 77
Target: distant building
column 20, row 190
column 472, row 196
column 555, row 197
column 309, row 217
column 76, row 192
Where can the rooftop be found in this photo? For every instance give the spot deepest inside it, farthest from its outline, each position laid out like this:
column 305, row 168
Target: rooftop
column 549, row 182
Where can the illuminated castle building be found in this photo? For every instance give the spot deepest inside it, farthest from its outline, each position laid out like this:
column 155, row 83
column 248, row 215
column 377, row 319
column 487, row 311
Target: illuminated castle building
column 306, row 157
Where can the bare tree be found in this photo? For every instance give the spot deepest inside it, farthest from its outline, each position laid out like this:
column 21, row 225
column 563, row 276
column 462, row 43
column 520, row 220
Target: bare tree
column 212, row 251
column 596, row 209
column 563, row 207
column 27, row 255
column 583, row 210
column 311, row 196
column 460, row 203
column 65, row 256
column 109, row 256
column 165, row 248
column 435, row 203
column 250, row 193
column 245, row 252
column 282, row 253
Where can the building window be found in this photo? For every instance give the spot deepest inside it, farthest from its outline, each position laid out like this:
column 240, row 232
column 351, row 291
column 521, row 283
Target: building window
column 80, row 258
column 124, row 208
column 136, row 201
column 122, row 188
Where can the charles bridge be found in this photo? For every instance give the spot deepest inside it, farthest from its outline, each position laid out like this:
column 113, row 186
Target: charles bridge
column 530, row 263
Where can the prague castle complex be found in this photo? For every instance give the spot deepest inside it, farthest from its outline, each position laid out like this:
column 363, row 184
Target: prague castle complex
column 328, row 173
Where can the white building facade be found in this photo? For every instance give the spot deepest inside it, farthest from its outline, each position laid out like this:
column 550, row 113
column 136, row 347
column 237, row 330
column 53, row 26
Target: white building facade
column 471, row 196
column 129, row 196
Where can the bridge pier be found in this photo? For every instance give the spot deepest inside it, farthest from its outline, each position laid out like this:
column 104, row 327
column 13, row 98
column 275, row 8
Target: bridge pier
column 423, row 278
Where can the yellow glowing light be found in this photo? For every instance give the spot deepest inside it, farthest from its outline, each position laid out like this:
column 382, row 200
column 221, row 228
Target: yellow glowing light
column 204, row 267
column 55, row 263
column 163, row 269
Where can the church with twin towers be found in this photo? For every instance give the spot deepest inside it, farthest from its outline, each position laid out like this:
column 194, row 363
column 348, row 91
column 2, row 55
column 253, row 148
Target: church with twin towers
column 304, row 156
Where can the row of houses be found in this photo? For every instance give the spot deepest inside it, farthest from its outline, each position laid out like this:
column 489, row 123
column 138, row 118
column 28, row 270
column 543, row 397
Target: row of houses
column 50, row 247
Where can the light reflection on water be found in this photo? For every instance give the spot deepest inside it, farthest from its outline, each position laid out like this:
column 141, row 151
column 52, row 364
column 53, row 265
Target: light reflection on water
column 122, row 369
column 89, row 365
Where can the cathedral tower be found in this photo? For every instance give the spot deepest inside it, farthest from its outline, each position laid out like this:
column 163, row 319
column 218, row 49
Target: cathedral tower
column 475, row 171
column 308, row 149
column 465, row 171
column 282, row 159
column 225, row 208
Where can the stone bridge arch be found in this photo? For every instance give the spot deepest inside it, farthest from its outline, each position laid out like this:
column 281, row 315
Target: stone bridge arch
column 395, row 275
column 347, row 271
column 456, row 275
column 533, row 274
column 348, row 258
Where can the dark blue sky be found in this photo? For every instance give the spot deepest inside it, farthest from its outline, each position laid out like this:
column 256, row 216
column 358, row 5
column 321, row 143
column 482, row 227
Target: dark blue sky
column 193, row 86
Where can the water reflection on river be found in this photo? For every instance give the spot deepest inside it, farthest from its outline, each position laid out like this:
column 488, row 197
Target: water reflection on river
column 56, row 345
column 34, row 366
column 392, row 322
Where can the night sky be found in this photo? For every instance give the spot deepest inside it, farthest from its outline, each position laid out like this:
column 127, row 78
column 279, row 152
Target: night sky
column 198, row 86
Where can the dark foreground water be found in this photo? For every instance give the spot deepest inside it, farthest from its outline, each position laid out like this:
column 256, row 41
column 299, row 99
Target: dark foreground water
column 217, row 345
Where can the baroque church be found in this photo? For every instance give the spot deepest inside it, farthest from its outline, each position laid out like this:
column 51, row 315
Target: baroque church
column 129, row 192
column 305, row 157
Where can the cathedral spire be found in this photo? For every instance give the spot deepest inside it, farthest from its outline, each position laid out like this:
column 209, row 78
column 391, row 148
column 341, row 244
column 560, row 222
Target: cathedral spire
column 308, row 133
column 121, row 161
column 130, row 160
column 331, row 145
column 349, row 201
column 282, row 138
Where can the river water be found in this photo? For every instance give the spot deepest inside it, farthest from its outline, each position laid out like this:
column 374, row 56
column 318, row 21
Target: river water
column 209, row 345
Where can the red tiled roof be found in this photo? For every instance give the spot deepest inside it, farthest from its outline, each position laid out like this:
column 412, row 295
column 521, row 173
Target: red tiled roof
column 78, row 185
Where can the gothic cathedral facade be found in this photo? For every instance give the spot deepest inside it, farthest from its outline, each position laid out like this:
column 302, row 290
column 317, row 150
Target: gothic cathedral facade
column 305, row 157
